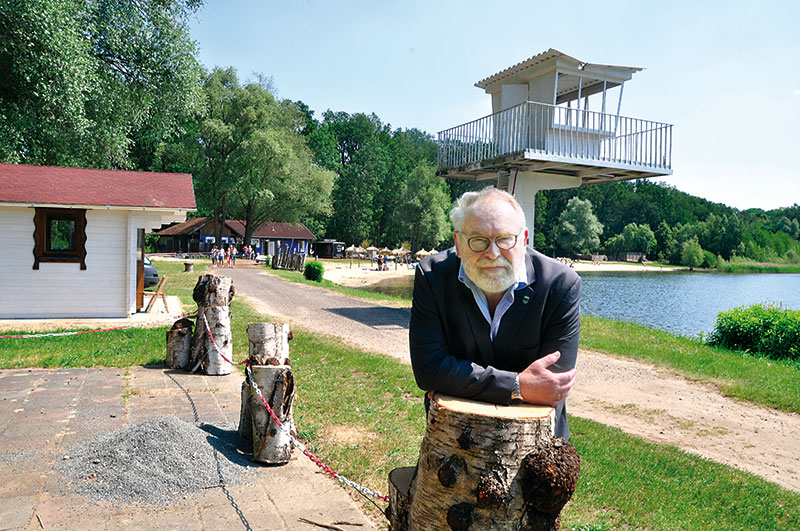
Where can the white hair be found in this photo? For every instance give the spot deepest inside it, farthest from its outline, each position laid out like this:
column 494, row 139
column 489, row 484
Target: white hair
column 467, row 199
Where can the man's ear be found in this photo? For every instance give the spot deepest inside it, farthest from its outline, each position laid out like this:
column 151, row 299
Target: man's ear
column 455, row 239
column 527, row 242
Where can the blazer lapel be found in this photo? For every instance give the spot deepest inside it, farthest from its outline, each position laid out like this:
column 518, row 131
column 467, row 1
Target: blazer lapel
column 515, row 315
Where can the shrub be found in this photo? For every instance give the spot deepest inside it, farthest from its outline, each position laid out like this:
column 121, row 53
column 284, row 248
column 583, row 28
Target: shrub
column 709, row 259
column 313, row 271
column 764, row 329
column 267, row 260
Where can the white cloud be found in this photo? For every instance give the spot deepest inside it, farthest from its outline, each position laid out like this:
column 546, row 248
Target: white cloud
column 796, row 92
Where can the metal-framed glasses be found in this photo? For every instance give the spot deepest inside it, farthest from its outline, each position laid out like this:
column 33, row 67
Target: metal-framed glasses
column 478, row 244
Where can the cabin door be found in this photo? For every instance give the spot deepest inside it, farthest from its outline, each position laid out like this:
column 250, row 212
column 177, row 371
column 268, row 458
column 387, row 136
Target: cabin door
column 140, row 269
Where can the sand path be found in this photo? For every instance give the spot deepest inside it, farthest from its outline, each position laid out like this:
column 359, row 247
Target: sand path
column 642, row 400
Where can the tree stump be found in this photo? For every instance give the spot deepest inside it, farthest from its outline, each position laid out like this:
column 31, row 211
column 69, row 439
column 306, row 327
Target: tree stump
column 269, row 364
column 179, row 344
column 485, row 467
column 269, row 343
column 270, row 444
column 213, row 296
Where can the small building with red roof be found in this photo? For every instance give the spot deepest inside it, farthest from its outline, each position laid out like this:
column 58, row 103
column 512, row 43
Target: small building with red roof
column 199, row 235
column 73, row 238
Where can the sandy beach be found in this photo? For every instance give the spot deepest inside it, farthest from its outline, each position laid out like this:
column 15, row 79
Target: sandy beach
column 359, row 276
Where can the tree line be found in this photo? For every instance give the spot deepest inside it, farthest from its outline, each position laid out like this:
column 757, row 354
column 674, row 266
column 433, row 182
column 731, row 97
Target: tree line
column 664, row 223
column 117, row 85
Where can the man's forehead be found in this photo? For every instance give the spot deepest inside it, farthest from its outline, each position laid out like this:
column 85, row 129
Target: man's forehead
column 491, row 216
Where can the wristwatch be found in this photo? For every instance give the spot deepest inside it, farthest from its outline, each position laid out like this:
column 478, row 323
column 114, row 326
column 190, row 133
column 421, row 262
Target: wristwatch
column 516, row 395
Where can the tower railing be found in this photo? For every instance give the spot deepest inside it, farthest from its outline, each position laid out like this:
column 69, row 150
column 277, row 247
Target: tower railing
column 557, row 133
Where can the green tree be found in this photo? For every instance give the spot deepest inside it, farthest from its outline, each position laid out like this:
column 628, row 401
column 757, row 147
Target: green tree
column 424, row 207
column 691, row 253
column 578, row 228
column 638, row 238
column 94, row 83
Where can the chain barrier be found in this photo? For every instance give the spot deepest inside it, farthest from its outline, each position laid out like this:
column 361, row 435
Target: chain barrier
column 366, row 491
column 78, row 332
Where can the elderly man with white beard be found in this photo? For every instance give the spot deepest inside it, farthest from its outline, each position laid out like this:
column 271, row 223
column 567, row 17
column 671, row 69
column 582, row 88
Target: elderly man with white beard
column 493, row 320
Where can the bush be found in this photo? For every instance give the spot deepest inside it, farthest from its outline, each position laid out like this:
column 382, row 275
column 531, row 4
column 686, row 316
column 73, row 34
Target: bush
column 764, row 329
column 313, row 271
column 709, row 259
column 267, row 260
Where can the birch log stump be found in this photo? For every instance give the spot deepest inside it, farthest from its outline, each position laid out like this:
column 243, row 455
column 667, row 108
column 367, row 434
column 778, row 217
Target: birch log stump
column 213, row 296
column 179, row 344
column 269, row 365
column 486, row 467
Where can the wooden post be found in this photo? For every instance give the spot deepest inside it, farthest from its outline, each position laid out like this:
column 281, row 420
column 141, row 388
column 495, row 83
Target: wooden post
column 179, row 344
column 213, row 296
column 484, row 467
column 269, row 343
column 269, row 364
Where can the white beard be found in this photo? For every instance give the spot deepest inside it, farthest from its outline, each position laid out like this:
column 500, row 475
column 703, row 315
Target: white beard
column 495, row 282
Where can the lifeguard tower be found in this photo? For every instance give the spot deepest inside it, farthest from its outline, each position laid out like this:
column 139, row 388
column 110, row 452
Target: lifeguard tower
column 542, row 135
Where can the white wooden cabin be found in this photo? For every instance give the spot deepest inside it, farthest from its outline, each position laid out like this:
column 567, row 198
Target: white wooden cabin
column 72, row 239
column 556, row 122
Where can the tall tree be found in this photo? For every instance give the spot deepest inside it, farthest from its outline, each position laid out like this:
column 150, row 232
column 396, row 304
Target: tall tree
column 578, row 228
column 424, row 205
column 94, row 83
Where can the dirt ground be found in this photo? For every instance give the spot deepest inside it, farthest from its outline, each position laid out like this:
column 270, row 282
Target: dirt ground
column 640, row 399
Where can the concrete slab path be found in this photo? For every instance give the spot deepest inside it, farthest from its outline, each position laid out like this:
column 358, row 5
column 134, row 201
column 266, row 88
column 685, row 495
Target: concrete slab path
column 43, row 412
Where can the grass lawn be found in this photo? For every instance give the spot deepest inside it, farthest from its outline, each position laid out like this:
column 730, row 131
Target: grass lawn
column 737, row 374
column 362, row 414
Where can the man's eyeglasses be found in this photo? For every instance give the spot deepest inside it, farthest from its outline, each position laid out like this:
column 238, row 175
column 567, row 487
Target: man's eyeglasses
column 478, row 244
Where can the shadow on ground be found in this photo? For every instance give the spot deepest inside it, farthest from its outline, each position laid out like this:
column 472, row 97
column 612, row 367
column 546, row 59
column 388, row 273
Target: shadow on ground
column 376, row 316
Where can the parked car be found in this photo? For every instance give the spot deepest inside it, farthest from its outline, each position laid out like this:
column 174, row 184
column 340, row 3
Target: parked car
column 150, row 274
column 262, row 259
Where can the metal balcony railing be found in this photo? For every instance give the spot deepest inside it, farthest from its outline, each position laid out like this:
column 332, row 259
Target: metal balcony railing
column 557, row 133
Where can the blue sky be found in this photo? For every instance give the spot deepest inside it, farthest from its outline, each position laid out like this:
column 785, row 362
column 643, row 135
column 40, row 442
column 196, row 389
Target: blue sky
column 726, row 74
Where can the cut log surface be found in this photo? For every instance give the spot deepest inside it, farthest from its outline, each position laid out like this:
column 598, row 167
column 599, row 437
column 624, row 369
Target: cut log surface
column 471, row 472
column 213, row 296
column 269, row 343
column 270, row 444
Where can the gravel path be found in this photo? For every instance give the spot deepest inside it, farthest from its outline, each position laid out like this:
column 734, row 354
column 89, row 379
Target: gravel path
column 640, row 399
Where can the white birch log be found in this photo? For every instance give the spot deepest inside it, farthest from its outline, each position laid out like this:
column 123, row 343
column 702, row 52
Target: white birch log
column 179, row 348
column 485, row 467
column 269, row 343
column 213, row 296
column 271, row 444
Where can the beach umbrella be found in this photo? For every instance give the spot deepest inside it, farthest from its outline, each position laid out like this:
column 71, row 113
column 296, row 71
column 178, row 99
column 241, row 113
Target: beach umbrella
column 360, row 250
column 350, row 250
column 386, row 250
column 432, row 251
column 422, row 253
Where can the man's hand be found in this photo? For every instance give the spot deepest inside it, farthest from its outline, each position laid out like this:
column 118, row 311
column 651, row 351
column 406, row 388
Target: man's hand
column 539, row 385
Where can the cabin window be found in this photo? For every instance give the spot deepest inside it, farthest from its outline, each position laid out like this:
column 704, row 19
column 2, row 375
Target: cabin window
column 59, row 236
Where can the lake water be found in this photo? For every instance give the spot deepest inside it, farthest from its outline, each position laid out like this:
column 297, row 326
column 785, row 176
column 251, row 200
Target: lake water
column 683, row 303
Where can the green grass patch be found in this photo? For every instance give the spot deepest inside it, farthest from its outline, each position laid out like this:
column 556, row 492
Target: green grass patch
column 757, row 267
column 737, row 374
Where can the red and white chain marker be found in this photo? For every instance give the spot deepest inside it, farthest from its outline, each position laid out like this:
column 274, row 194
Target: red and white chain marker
column 296, row 443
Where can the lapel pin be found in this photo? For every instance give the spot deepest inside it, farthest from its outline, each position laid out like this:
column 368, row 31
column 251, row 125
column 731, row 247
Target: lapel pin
column 525, row 299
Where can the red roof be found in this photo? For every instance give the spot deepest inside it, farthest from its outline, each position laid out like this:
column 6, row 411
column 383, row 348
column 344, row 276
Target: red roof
column 53, row 185
column 298, row 231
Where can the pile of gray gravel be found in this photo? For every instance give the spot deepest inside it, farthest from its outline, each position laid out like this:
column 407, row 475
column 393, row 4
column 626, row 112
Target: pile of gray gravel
column 153, row 462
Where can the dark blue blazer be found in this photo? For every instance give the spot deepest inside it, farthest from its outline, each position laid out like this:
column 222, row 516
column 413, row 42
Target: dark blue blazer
column 451, row 351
